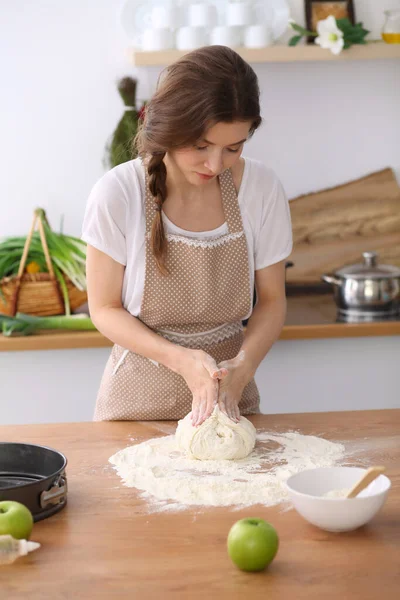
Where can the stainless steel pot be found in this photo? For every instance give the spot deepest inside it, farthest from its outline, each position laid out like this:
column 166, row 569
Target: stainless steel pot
column 366, row 288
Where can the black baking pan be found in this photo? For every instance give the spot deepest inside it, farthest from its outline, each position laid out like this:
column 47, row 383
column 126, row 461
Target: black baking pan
column 35, row 476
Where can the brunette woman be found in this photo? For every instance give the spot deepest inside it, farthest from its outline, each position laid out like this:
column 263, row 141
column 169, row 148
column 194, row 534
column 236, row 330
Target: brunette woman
column 177, row 239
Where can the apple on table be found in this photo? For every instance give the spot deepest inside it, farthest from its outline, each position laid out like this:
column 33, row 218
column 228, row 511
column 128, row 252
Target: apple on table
column 252, row 544
column 15, row 520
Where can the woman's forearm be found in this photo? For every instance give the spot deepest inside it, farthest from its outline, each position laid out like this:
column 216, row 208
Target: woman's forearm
column 119, row 326
column 263, row 329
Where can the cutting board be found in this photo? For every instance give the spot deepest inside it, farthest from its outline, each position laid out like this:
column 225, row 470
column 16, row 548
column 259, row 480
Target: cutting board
column 333, row 227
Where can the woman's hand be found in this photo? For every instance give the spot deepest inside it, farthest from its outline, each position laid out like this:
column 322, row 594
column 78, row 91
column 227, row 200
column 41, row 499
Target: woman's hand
column 232, row 385
column 202, row 375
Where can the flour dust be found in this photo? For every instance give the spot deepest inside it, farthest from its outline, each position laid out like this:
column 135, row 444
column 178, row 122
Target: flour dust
column 169, row 481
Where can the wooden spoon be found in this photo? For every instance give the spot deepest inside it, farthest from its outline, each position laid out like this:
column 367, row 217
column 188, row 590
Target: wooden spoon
column 369, row 475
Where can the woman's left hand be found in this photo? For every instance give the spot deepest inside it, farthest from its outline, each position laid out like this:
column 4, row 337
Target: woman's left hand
column 232, row 386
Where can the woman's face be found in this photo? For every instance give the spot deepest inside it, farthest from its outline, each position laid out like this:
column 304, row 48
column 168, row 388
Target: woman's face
column 219, row 149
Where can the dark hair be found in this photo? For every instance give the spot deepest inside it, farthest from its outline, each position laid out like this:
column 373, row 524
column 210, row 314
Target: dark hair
column 209, row 85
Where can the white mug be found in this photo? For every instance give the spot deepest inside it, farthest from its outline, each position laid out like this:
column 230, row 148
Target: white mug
column 201, row 15
column 227, row 36
column 239, row 14
column 164, row 17
column 257, row 36
column 189, row 38
column 157, row 39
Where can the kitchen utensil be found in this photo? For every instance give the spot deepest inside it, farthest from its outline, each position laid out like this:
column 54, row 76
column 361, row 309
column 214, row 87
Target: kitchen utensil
column 391, row 27
column 367, row 288
column 307, row 488
column 257, row 36
column 35, row 476
column 369, row 476
column 137, row 16
column 164, row 17
column 273, row 13
column 239, row 14
column 189, row 38
column 201, row 15
column 227, row 36
column 134, row 18
column 157, row 39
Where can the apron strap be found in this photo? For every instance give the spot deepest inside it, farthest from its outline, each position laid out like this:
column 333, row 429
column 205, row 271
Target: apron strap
column 230, row 202
column 150, row 205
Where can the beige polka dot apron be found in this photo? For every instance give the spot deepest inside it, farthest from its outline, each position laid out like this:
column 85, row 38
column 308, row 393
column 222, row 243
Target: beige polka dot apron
column 200, row 304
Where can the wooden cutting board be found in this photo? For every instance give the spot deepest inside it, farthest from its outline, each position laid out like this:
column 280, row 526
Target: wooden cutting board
column 333, row 227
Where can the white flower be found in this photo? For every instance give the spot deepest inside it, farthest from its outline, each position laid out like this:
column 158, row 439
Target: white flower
column 329, row 35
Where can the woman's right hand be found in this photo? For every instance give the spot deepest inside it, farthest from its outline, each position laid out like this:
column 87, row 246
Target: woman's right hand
column 202, row 375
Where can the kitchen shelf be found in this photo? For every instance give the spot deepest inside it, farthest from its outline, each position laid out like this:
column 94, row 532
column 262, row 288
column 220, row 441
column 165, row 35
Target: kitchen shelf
column 309, row 317
column 278, row 53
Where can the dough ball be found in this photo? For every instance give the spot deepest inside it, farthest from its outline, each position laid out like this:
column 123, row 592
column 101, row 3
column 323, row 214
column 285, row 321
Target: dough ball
column 218, row 438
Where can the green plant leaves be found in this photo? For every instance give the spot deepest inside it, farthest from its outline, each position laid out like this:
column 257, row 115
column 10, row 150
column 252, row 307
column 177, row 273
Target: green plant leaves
column 295, row 40
column 23, row 324
column 352, row 34
column 302, row 32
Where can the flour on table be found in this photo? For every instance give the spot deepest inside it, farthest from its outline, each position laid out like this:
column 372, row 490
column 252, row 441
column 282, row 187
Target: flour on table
column 218, row 438
column 164, row 474
column 337, row 493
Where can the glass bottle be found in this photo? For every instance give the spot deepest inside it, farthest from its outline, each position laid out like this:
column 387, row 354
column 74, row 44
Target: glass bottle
column 391, row 27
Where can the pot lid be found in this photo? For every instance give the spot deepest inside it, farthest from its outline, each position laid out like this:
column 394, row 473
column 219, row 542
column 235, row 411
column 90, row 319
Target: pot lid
column 369, row 269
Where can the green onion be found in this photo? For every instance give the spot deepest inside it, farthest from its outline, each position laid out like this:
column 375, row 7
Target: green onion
column 23, row 324
column 67, row 254
column 64, row 289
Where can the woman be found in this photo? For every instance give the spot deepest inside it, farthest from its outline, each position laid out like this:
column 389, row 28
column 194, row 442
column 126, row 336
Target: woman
column 176, row 240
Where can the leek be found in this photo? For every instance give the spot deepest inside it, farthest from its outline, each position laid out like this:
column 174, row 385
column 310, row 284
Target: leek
column 67, row 254
column 23, row 324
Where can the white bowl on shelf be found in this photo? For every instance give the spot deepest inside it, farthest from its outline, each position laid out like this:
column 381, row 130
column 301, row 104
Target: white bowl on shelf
column 155, row 40
column 225, row 35
column 257, row 36
column 307, row 488
column 189, row 38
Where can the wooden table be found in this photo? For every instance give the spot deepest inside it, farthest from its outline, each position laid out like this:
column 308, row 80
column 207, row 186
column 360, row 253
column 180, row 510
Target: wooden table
column 106, row 544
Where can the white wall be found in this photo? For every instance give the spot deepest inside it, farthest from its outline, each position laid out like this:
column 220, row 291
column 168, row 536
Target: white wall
column 59, row 62
column 324, row 124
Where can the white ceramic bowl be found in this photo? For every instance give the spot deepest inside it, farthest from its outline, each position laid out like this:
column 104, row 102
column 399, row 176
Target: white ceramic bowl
column 307, row 489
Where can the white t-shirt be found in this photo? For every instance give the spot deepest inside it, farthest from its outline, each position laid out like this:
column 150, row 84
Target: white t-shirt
column 114, row 222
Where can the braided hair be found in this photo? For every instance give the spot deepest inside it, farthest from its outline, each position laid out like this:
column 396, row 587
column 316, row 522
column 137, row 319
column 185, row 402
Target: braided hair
column 158, row 188
column 209, row 85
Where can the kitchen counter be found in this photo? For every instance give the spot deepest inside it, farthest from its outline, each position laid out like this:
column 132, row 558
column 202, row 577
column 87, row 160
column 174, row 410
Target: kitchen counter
column 308, row 317
column 107, row 544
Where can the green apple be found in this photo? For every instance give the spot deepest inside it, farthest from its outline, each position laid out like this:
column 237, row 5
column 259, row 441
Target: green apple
column 15, row 519
column 252, row 544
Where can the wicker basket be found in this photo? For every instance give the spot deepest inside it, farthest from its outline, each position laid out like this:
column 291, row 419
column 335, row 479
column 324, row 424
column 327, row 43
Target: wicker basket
column 37, row 294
